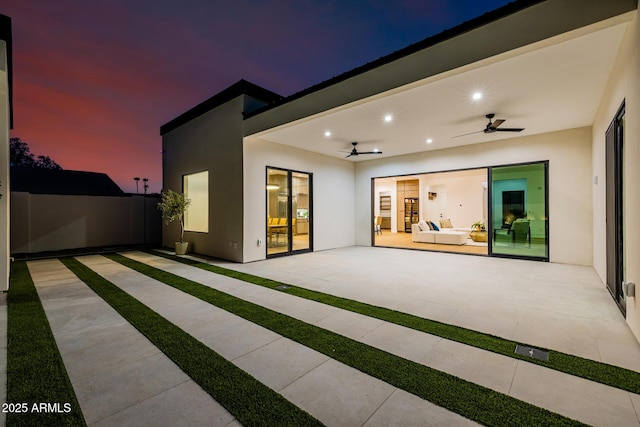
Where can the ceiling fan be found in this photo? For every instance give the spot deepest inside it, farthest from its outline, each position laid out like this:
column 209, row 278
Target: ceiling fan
column 493, row 127
column 354, row 151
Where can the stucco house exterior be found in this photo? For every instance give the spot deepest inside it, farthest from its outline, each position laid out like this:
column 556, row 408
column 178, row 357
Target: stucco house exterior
column 6, row 121
column 269, row 175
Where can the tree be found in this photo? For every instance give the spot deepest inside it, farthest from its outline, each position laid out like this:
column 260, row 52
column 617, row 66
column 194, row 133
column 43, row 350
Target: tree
column 173, row 205
column 20, row 155
column 47, row 163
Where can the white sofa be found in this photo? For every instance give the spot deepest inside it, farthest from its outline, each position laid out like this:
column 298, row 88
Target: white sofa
column 445, row 237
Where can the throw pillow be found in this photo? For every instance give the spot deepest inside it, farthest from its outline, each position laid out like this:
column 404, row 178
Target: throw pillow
column 435, row 227
column 422, row 225
column 446, row 223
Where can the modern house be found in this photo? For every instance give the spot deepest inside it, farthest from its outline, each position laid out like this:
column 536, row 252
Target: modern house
column 6, row 123
column 516, row 119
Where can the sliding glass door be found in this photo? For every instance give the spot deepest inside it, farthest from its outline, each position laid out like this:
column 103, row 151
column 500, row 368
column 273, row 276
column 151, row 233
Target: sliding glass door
column 519, row 211
column 289, row 212
column 615, row 237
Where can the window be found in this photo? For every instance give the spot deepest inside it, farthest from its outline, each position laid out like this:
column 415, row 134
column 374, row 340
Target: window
column 196, row 188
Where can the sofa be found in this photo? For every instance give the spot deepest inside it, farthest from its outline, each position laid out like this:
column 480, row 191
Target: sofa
column 420, row 232
column 445, row 225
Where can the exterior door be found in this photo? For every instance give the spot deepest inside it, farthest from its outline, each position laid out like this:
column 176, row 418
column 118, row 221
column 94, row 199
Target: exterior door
column 519, row 213
column 614, row 208
column 289, row 212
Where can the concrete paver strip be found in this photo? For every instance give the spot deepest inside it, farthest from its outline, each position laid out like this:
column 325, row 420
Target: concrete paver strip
column 333, row 386
column 403, row 409
column 599, row 398
column 583, row 400
column 119, row 371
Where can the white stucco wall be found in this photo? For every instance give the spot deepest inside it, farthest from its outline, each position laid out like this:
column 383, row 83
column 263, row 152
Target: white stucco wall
column 570, row 196
column 4, row 168
column 333, row 195
column 211, row 142
column 624, row 85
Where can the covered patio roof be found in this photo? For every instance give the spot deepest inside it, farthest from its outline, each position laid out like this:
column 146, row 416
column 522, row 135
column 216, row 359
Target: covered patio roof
column 549, row 79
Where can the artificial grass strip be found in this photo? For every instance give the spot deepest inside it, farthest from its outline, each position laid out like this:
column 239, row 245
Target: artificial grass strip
column 250, row 401
column 614, row 376
column 468, row 399
column 35, row 371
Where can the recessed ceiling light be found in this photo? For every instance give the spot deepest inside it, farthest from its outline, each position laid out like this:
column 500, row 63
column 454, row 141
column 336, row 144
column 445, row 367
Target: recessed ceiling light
column 429, row 141
column 327, row 133
column 375, row 150
column 477, row 96
column 388, row 118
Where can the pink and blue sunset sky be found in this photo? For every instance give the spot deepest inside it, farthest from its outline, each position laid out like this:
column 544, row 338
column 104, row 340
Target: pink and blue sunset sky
column 95, row 80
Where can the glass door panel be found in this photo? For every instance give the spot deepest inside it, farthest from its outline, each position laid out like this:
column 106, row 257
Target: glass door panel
column 278, row 212
column 289, row 212
column 300, row 185
column 519, row 213
column 615, row 236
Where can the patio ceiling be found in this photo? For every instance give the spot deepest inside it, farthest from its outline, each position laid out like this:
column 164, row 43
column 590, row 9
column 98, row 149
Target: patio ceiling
column 548, row 86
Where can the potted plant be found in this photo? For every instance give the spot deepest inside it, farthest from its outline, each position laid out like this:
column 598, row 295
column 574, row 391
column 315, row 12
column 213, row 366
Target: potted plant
column 478, row 232
column 173, row 205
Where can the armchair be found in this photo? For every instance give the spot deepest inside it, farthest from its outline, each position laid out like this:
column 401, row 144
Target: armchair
column 516, row 232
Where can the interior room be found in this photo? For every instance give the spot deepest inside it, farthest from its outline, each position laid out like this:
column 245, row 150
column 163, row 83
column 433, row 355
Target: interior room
column 454, row 201
column 288, row 211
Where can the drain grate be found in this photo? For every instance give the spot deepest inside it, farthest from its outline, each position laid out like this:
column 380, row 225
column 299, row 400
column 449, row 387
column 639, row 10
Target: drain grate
column 532, row 352
column 282, row 287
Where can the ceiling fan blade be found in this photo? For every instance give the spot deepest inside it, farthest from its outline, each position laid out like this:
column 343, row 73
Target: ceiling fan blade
column 496, row 123
column 509, row 130
column 351, row 154
column 370, row 152
column 465, row 134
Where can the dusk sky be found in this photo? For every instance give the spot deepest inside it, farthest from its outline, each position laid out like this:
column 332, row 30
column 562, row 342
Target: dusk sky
column 94, row 80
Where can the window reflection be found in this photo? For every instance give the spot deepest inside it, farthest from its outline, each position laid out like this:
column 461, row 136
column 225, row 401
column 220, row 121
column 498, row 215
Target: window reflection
column 519, row 210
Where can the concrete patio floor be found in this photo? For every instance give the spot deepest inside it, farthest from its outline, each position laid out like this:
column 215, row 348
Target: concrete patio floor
column 122, row 379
